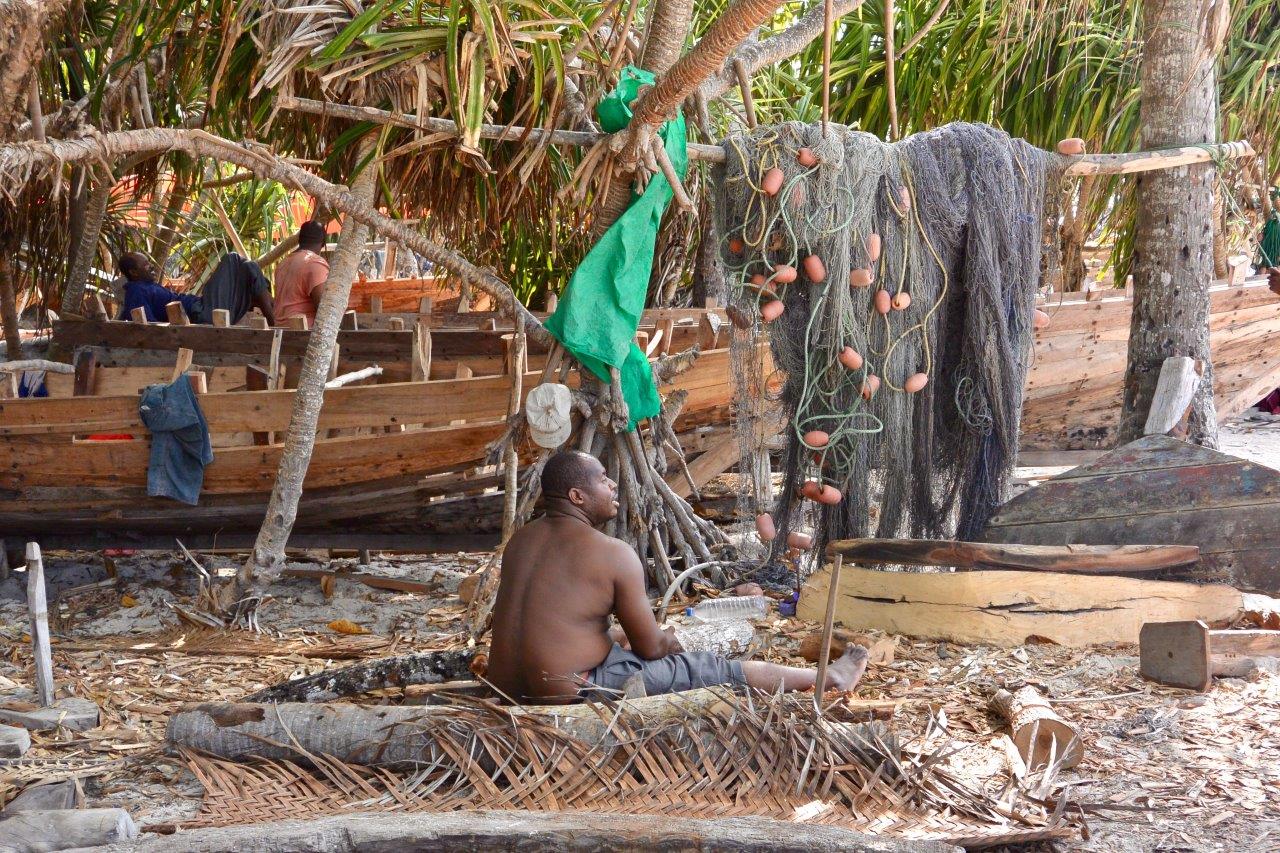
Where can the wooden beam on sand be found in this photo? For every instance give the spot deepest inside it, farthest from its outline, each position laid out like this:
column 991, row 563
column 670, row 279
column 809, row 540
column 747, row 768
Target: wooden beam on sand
column 1085, row 164
column 1077, row 559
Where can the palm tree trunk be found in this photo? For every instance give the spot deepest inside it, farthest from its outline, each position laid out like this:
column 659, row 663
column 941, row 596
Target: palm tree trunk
column 9, row 310
column 268, row 551
column 1173, row 246
column 87, row 245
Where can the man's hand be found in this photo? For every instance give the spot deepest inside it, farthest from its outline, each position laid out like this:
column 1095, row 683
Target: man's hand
column 1273, row 280
column 673, row 644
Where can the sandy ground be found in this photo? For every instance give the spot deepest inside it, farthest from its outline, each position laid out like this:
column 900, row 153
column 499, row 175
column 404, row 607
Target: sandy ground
column 1164, row 770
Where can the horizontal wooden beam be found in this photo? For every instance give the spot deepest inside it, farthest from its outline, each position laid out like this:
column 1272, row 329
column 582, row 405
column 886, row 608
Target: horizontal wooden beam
column 1079, row 559
column 1085, row 164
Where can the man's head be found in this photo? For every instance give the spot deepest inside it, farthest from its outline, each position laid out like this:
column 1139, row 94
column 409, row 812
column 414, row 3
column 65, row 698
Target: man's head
column 579, row 479
column 311, row 236
column 136, row 266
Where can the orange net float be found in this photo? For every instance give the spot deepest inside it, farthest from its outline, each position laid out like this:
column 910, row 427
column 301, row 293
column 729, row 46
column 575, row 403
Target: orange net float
column 883, row 301
column 873, row 247
column 814, row 269
column 736, row 245
column 772, row 181
column 850, row 358
column 816, row 438
column 821, row 492
column 915, row 383
column 765, row 527
column 870, row 386
column 805, row 157
column 1071, row 147
column 901, row 301
column 860, row 277
column 1040, row 320
column 799, row 541
column 784, row 273
column 772, row 310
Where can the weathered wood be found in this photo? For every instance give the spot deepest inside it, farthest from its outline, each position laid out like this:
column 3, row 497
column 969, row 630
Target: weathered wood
column 221, row 318
column 1041, row 736
column 22, row 365
column 511, row 831
column 86, row 373
column 177, row 314
column 1082, row 559
column 38, row 620
column 347, row 681
column 1174, row 389
column 64, row 829
column 1188, row 654
column 1005, row 607
column 1159, row 489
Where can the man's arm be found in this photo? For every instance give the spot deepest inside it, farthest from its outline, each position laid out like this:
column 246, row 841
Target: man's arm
column 317, row 275
column 631, row 606
column 264, row 303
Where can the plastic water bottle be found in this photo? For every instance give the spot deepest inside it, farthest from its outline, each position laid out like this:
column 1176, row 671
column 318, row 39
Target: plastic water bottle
column 730, row 608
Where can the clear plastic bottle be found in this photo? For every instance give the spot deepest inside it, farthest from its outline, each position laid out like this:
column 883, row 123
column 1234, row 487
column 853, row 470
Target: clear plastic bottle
column 730, row 608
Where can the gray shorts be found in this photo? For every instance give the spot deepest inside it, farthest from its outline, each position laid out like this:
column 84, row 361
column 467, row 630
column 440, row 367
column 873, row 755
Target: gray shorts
column 670, row 674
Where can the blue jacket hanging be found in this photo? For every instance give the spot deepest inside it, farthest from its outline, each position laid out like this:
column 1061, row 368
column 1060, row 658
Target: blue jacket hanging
column 180, row 445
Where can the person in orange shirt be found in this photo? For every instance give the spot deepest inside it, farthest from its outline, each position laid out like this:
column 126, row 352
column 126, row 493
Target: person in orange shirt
column 300, row 277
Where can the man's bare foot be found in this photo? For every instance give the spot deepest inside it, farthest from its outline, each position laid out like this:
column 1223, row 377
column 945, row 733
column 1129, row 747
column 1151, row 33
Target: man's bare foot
column 846, row 672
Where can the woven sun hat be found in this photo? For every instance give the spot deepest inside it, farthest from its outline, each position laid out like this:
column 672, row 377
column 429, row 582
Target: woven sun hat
column 547, row 409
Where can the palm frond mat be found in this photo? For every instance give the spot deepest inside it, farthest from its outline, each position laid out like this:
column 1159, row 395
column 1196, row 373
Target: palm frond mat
column 768, row 756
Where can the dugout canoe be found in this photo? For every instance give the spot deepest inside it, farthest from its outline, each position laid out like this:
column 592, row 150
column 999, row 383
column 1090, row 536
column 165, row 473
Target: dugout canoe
column 1076, row 383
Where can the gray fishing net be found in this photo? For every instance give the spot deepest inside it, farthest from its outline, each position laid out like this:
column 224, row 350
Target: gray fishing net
column 902, row 365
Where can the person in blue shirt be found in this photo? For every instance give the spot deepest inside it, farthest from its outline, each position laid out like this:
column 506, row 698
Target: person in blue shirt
column 237, row 285
column 142, row 290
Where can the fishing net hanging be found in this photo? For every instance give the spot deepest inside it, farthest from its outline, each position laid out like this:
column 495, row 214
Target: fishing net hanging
column 896, row 283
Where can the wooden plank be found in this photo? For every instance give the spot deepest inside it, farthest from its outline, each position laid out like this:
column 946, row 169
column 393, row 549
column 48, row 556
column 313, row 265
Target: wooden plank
column 1083, row 559
column 1006, row 607
column 38, row 612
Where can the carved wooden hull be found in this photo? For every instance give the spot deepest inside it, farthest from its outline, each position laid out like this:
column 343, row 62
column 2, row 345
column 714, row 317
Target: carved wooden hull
column 1076, row 385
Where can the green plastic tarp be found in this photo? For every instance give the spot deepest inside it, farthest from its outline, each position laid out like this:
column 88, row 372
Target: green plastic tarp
column 598, row 316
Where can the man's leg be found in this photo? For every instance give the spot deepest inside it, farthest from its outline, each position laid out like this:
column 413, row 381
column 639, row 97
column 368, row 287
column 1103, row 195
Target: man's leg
column 842, row 674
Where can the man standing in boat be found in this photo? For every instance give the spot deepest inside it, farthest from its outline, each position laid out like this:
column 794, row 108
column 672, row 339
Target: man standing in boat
column 300, row 277
column 561, row 581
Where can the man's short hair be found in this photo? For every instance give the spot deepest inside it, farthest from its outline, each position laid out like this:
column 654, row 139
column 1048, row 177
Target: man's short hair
column 311, row 233
column 134, row 266
column 565, row 470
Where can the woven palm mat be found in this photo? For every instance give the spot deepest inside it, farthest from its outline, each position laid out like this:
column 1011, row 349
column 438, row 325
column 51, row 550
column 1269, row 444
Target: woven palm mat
column 763, row 756
column 213, row 641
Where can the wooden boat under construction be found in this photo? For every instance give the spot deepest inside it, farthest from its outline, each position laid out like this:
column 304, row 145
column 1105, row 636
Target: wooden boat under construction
column 1076, row 386
column 392, row 468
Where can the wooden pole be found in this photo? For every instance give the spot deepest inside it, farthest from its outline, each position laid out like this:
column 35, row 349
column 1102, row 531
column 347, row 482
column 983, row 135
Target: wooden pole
column 511, row 459
column 38, row 609
column 828, row 625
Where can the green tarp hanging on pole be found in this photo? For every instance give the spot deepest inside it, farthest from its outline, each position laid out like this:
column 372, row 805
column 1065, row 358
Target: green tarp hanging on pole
column 600, row 311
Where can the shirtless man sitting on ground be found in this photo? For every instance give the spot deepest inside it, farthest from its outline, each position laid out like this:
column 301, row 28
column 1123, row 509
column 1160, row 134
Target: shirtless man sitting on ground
column 562, row 579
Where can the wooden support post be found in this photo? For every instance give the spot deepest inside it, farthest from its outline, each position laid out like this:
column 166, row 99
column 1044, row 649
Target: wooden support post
column 257, row 321
column 1170, row 405
column 258, row 379
column 388, row 265
column 462, row 371
column 333, row 362
column 828, row 625
column 375, row 304
column 199, row 381
column 182, row 364
column 349, row 321
column 139, row 315
column 38, row 609
column 99, row 308
column 177, row 314
column 1040, row 735
column 642, row 341
column 86, row 376
column 425, row 306
column 222, row 318
column 667, row 327
column 421, row 363
column 511, row 460
column 553, row 302
column 708, row 331
column 298, row 323
column 395, row 324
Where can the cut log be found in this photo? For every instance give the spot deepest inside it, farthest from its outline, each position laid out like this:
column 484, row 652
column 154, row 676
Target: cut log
column 428, row 668
column 1041, row 736
column 1005, row 608
column 64, row 829
column 1085, row 559
column 466, row 831
column 1188, row 654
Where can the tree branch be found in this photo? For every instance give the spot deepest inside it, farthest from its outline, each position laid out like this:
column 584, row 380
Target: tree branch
column 23, row 162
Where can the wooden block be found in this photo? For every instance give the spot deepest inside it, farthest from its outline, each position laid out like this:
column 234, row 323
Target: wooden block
column 222, row 318
column 177, row 314
column 396, row 324
column 99, row 308
column 199, row 381
column 257, row 321
column 375, row 304
column 349, row 321
column 1006, row 607
column 425, row 305
column 86, row 366
column 1176, row 654
column 297, row 323
column 139, row 315
column 420, row 368
column 38, row 612
column 182, row 364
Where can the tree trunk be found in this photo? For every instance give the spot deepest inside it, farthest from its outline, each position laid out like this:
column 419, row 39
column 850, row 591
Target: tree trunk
column 664, row 40
column 1173, row 245
column 166, row 233
column 268, row 551
column 9, row 310
column 86, row 250
column 23, row 22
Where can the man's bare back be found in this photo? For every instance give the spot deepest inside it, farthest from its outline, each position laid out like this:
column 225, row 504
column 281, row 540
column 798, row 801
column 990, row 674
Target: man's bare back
column 562, row 579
